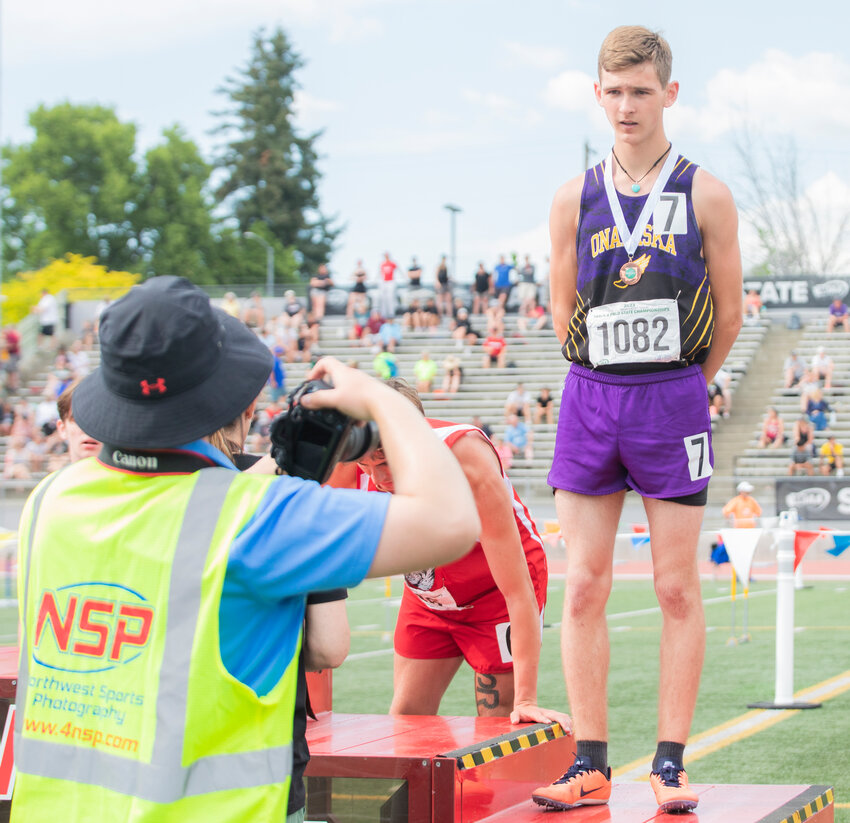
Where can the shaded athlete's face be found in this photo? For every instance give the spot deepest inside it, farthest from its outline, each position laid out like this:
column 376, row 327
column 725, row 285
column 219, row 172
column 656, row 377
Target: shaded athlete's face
column 375, row 465
column 634, row 101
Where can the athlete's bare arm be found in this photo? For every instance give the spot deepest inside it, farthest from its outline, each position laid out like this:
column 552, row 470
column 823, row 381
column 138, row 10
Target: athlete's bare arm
column 563, row 263
column 718, row 223
column 505, row 556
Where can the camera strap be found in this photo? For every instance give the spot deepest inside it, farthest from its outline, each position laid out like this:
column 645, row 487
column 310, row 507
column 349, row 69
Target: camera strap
column 153, row 461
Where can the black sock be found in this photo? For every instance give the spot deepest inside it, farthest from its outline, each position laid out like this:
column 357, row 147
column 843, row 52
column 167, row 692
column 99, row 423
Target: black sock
column 596, row 750
column 667, row 750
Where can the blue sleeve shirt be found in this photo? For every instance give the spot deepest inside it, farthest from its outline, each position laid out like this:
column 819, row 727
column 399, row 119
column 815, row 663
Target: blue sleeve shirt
column 303, row 537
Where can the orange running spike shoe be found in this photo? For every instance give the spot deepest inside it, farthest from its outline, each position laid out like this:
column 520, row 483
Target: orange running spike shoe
column 580, row 786
column 671, row 789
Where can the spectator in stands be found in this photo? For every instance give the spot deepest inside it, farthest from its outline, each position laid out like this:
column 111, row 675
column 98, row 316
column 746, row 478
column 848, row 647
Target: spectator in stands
column 772, row 431
column 277, row 379
column 807, row 384
column 230, row 304
column 431, row 313
column 495, row 315
column 12, row 356
column 358, row 289
column 526, row 288
column 462, row 329
column 386, row 286
column 414, row 318
column 794, row 368
column 544, row 407
column 78, row 360
column 519, row 437
column 482, row 288
column 7, row 417
column 534, row 316
column 803, row 442
column 414, row 274
column 371, row 331
column 47, row 310
column 425, row 370
column 305, row 342
column 838, row 314
column 502, row 284
column 254, row 315
column 16, row 464
column 37, row 449
column 390, row 333
column 293, row 311
column 359, row 316
column 443, row 287
column 743, row 509
column 518, row 402
column 720, row 395
column 818, row 410
column 752, row 306
column 46, row 415
column 320, row 284
column 822, row 367
column 452, row 374
column 832, row 457
column 385, row 363
column 22, row 424
column 495, row 349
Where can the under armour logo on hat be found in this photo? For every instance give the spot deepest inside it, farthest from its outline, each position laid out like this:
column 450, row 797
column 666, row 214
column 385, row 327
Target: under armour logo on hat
column 157, row 386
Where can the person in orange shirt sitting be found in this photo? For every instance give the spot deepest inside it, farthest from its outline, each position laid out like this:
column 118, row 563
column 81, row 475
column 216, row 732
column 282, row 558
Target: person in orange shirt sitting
column 743, row 508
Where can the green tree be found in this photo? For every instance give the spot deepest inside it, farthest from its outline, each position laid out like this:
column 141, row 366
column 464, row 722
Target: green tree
column 175, row 211
column 73, row 189
column 271, row 171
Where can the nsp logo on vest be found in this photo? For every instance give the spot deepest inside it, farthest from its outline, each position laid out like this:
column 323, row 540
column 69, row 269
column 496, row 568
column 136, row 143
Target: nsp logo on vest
column 81, row 623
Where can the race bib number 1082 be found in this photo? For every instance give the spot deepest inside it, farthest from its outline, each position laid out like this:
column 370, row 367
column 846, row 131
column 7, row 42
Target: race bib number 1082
column 637, row 331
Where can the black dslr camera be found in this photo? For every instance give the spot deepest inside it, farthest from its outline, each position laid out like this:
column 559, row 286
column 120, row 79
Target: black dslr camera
column 308, row 443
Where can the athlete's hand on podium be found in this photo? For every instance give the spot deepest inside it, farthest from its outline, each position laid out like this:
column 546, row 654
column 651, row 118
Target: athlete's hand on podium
column 532, row 713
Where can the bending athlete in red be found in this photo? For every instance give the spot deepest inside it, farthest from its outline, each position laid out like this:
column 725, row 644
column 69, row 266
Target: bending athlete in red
column 485, row 608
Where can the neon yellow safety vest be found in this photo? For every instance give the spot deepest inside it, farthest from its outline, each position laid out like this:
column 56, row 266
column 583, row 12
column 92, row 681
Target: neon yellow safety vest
column 125, row 709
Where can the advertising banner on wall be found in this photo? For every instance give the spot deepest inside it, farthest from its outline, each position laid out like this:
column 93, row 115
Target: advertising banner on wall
column 815, row 498
column 799, row 292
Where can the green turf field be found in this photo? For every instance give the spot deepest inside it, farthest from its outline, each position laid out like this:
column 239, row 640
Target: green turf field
column 803, row 747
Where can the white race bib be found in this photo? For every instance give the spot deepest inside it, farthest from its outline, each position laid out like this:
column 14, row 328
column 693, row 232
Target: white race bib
column 637, row 331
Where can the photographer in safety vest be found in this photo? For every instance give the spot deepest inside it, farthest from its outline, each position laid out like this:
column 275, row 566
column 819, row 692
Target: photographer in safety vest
column 162, row 591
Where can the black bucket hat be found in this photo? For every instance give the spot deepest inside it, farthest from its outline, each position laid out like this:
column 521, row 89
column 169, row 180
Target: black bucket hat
column 172, row 369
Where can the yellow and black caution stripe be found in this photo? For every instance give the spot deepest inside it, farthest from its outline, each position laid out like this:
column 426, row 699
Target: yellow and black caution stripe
column 803, row 806
column 489, row 750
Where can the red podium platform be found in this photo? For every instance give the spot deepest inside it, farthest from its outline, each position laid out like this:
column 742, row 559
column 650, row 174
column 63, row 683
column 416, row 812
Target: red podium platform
column 467, row 769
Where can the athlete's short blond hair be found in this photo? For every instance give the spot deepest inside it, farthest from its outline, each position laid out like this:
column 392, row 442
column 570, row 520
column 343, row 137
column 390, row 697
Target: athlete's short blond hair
column 629, row 46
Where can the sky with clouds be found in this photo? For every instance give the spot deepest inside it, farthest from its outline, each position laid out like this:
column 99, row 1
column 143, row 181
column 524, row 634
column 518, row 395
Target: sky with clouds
column 486, row 104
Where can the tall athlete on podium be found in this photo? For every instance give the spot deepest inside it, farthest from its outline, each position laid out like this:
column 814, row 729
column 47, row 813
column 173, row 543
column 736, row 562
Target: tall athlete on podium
column 646, row 301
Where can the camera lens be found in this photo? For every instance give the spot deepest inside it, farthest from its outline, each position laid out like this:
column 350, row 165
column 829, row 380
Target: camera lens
column 361, row 439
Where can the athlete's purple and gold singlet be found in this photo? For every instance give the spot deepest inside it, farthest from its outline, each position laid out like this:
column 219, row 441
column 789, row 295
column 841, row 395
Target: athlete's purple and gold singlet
column 643, row 322
column 655, row 310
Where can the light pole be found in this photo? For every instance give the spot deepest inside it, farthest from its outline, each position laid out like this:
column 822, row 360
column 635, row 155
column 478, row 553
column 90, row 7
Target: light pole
column 453, row 212
column 269, row 261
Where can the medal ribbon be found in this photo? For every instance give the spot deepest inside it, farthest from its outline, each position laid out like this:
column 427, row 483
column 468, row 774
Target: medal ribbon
column 631, row 239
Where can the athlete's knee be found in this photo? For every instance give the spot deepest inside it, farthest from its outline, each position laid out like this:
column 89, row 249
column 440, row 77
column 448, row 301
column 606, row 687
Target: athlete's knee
column 678, row 597
column 585, row 593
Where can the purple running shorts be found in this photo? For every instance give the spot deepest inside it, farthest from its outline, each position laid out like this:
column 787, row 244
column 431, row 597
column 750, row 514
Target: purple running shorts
column 647, row 432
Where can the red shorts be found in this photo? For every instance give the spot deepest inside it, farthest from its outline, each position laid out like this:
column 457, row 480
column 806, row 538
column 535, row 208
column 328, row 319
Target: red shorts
column 481, row 635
